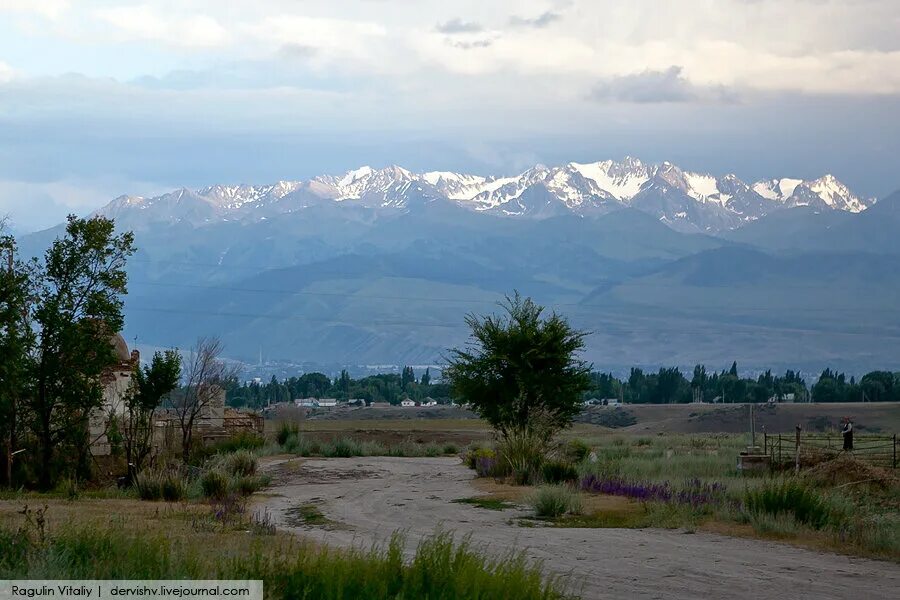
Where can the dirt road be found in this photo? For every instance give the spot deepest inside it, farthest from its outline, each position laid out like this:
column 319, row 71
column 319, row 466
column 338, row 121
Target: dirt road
column 368, row 499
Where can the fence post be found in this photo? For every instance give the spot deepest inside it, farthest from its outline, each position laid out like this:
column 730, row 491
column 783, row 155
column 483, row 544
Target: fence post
column 895, row 451
column 765, row 442
column 797, row 451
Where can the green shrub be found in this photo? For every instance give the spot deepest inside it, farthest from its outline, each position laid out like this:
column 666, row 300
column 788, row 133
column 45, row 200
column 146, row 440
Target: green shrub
column 450, row 448
column 558, row 471
column 215, row 484
column 432, row 450
column 239, row 463
column 552, row 501
column 474, row 453
column 792, row 497
column 287, row 430
column 523, row 454
column 174, row 487
column 148, row 485
column 243, row 440
column 291, row 443
column 576, row 451
column 342, row 448
column 247, row 485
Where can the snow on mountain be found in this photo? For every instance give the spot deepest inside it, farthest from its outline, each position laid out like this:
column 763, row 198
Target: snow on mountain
column 622, row 180
column 685, row 200
column 777, row 189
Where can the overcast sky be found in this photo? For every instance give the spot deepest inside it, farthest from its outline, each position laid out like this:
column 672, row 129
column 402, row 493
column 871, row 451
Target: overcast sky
column 103, row 98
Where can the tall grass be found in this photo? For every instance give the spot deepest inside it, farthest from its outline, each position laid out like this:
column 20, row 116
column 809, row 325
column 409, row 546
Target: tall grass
column 555, row 500
column 440, row 570
column 793, row 498
column 347, row 447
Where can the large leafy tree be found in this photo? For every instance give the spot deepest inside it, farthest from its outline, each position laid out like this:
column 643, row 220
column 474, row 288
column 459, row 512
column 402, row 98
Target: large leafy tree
column 79, row 309
column 521, row 371
column 16, row 340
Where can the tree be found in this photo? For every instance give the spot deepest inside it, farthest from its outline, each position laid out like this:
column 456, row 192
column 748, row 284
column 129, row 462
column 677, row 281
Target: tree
column 16, row 340
column 150, row 384
column 408, row 376
column 426, row 378
column 521, row 371
column 79, row 308
column 204, row 379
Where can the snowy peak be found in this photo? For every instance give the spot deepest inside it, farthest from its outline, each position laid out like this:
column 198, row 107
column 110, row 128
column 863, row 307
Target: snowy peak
column 687, row 200
column 622, row 180
column 835, row 194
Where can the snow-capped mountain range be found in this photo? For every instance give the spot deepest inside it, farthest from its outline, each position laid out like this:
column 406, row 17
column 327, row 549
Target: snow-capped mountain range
column 684, row 200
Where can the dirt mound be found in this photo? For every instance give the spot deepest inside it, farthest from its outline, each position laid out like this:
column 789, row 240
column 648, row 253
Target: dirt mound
column 845, row 470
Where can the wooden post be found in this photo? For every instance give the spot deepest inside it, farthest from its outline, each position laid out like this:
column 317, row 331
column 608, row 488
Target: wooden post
column 895, row 451
column 752, row 427
column 797, row 454
column 765, row 441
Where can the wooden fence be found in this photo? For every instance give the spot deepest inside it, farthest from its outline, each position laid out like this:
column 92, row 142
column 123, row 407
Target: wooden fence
column 813, row 448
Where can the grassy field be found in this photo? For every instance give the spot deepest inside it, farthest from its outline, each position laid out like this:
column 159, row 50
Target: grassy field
column 52, row 538
column 692, row 482
column 633, row 418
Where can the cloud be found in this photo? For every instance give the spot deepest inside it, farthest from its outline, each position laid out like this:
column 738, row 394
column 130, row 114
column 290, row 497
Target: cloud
column 50, row 9
column 538, row 22
column 470, row 45
column 6, row 72
column 657, row 87
column 457, row 25
column 142, row 22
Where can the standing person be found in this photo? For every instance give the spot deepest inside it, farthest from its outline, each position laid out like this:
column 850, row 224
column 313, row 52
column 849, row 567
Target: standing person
column 847, row 430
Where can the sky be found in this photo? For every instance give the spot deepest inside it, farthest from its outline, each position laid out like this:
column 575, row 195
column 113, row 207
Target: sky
column 99, row 99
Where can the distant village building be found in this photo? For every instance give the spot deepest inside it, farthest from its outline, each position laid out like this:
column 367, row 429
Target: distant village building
column 785, row 398
column 611, row 402
column 306, row 402
column 407, row 403
column 327, row 402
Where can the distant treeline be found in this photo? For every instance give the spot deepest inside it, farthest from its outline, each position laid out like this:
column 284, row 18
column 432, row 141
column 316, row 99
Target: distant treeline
column 671, row 386
column 666, row 386
column 388, row 387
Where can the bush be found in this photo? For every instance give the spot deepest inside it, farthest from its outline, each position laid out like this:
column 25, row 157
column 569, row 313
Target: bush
column 243, row 440
column 791, row 497
column 285, row 431
column 148, row 485
column 342, row 448
column 239, row 463
column 576, row 451
column 451, row 448
column 473, row 454
column 247, row 485
column 557, row 471
column 555, row 500
column 174, row 487
column 523, row 454
column 214, row 484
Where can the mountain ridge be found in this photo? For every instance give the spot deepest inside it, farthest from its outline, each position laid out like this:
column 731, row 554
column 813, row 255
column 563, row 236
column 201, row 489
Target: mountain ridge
column 684, row 200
